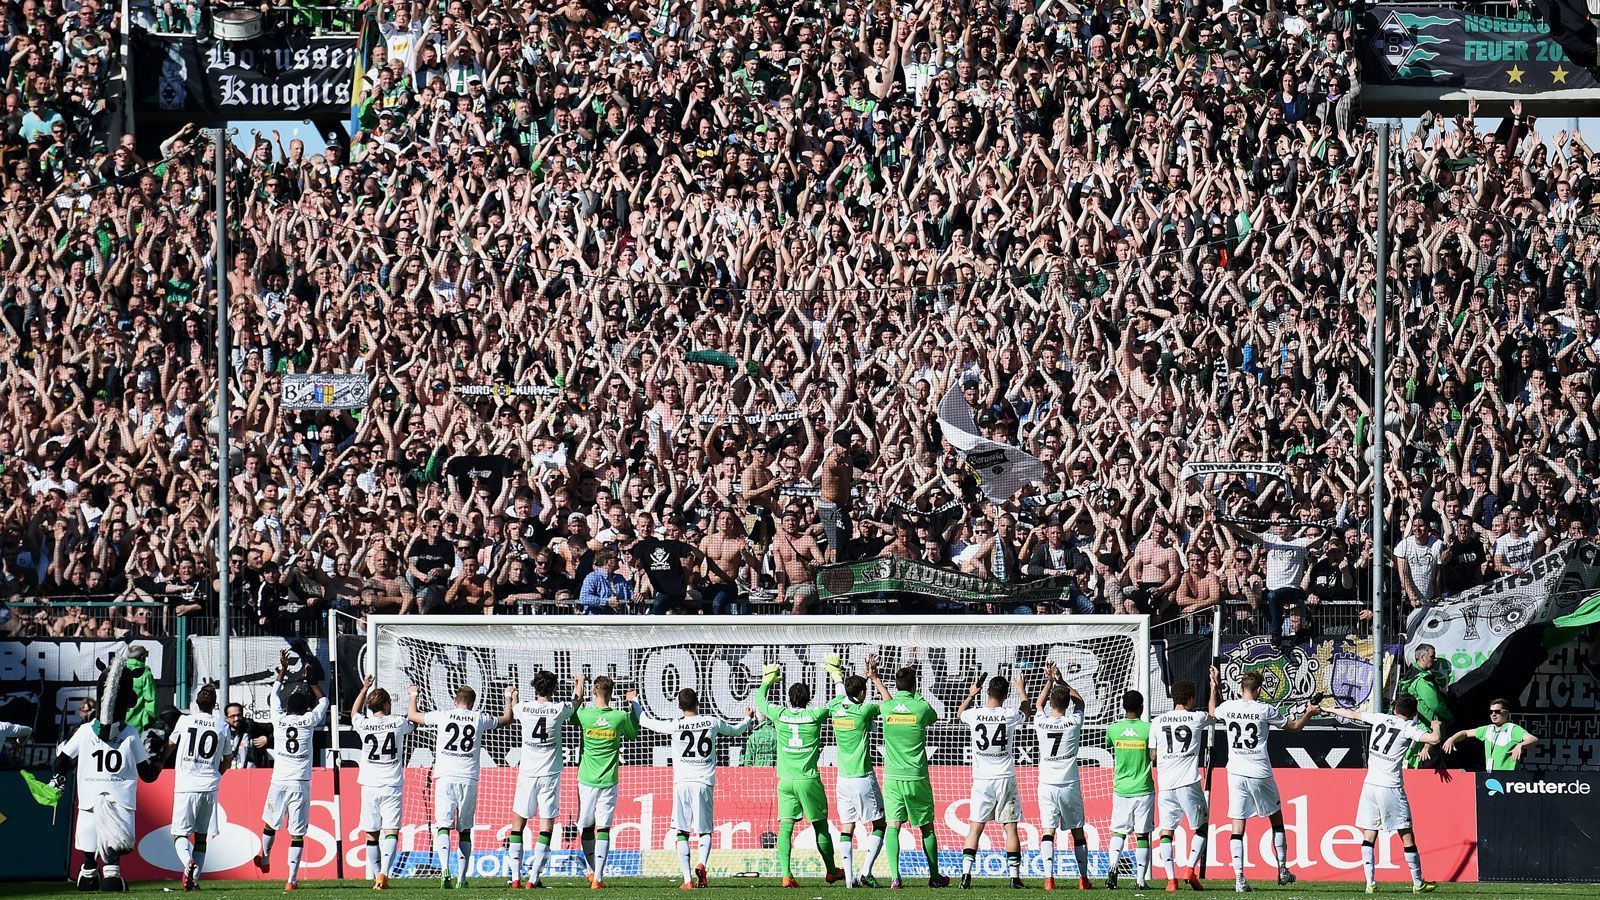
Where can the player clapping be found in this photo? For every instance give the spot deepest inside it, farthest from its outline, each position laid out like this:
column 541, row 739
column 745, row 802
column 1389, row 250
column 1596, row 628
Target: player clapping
column 604, row 729
column 382, row 778
column 458, row 734
column 201, row 742
column 1384, row 806
column 857, row 797
column 538, row 793
column 1252, row 791
column 1060, row 734
column 694, row 773
column 800, row 793
column 994, row 728
column 1177, row 737
column 295, row 720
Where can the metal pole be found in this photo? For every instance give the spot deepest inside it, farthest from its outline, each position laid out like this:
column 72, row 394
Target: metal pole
column 1380, row 380
column 223, row 429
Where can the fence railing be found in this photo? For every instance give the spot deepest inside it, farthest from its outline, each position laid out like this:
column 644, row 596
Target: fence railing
column 185, row 18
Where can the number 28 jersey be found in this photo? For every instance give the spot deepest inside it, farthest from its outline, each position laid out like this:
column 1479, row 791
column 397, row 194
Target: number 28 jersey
column 459, row 733
column 1249, row 722
column 1177, row 737
column 382, row 743
column 203, row 740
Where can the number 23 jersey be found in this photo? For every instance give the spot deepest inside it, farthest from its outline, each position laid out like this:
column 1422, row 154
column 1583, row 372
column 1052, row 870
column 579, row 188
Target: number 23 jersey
column 1249, row 722
column 1177, row 737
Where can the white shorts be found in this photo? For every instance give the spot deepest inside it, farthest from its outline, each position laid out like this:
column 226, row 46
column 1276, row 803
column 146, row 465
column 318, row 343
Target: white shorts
column 380, row 808
column 691, row 808
column 1186, row 801
column 87, row 835
column 192, row 812
column 1060, row 806
column 994, row 800
column 597, row 806
column 291, row 800
column 537, row 797
column 858, row 800
column 455, row 803
column 1133, row 815
column 1249, row 797
column 1383, row 808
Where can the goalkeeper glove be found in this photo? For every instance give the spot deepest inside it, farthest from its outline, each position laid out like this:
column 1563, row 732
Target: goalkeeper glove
column 834, row 670
column 770, row 673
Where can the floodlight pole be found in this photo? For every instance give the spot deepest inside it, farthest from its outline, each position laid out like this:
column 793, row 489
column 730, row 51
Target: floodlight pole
column 1380, row 383
column 223, row 429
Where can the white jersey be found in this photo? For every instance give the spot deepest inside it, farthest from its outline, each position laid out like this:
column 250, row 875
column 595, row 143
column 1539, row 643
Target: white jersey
column 541, row 736
column 204, row 740
column 1390, row 741
column 994, row 736
column 1059, row 739
column 459, row 736
column 292, row 738
column 1249, row 722
column 106, row 768
column 694, row 744
column 1177, row 737
column 382, row 741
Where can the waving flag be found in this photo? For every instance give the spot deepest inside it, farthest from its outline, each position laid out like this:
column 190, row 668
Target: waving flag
column 1001, row 469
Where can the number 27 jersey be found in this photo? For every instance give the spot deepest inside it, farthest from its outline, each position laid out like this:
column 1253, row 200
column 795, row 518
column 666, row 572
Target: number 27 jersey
column 382, row 742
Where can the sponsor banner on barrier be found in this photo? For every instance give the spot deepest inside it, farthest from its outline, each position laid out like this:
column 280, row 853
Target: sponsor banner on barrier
column 1528, row 822
column 1319, row 807
column 45, row 678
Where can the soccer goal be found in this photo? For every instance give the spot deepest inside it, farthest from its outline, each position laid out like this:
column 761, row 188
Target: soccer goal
column 722, row 659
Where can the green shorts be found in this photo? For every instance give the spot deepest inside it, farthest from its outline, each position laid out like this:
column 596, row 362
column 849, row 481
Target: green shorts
column 802, row 799
column 908, row 800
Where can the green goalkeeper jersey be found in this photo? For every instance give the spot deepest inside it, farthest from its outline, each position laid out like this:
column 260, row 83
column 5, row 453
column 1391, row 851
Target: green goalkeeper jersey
column 799, row 736
column 852, row 724
column 1130, row 750
column 906, row 717
column 604, row 729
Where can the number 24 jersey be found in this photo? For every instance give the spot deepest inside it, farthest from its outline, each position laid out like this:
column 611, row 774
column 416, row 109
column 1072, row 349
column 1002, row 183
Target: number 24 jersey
column 382, row 740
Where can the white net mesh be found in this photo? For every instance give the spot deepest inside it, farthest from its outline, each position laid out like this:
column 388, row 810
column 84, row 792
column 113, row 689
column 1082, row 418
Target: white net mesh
column 1100, row 656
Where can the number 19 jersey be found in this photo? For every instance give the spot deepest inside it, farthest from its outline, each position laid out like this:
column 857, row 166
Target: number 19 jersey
column 203, row 739
column 458, row 736
column 1177, row 737
column 381, row 740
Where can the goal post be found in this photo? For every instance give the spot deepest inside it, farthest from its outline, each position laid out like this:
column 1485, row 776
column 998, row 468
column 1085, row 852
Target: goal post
column 722, row 658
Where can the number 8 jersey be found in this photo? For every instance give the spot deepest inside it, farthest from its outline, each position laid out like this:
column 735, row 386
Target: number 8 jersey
column 1249, row 722
column 292, row 738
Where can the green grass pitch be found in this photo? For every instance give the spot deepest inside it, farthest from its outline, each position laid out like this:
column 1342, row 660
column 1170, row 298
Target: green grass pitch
column 767, row 889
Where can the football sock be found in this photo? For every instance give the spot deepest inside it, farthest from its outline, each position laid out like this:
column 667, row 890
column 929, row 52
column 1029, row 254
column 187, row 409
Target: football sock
column 874, row 847
column 1236, row 851
column 683, row 858
column 514, row 850
column 185, row 856
column 1197, row 847
column 1080, row 854
column 1014, row 863
column 267, row 837
column 1367, row 867
column 785, row 839
column 1141, row 859
column 372, row 857
column 387, row 845
column 296, row 847
column 930, row 849
column 969, row 857
column 1280, row 848
column 1047, row 853
column 199, row 856
column 1414, row 863
column 705, row 849
column 441, row 848
column 541, row 852
column 824, row 844
column 846, row 857
column 1114, row 860
column 1164, row 857
column 602, row 848
column 891, row 841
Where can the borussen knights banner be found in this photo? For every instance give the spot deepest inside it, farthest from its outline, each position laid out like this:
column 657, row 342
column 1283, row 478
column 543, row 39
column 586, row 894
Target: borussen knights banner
column 284, row 74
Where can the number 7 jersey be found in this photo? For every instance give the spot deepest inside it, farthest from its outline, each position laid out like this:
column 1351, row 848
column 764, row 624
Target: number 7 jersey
column 1177, row 738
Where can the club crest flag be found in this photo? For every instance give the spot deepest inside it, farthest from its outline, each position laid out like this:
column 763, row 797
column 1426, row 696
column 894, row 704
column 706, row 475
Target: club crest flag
column 1001, row 469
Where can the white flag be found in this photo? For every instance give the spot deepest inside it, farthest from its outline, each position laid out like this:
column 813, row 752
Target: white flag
column 1001, row 469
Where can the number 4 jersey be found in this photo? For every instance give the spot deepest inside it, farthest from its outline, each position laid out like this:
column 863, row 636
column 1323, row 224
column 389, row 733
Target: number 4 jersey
column 541, row 722
column 1248, row 723
column 382, row 738
column 203, row 740
column 1177, row 737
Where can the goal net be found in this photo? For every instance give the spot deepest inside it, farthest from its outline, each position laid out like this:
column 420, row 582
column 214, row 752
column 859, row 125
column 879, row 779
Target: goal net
column 722, row 659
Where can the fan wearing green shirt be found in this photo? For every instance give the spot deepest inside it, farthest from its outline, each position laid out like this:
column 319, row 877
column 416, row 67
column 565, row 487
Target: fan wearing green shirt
column 1503, row 741
column 907, row 788
column 1133, row 789
column 604, row 729
column 800, row 793
column 857, row 799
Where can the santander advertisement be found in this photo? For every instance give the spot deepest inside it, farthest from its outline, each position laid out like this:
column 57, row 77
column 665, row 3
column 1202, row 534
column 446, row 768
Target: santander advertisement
column 1319, row 807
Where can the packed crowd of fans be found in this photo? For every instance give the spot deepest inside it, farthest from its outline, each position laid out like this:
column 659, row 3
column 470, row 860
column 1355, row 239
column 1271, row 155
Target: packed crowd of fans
column 720, row 264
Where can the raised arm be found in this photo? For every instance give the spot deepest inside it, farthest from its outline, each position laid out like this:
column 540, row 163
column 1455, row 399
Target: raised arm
column 412, row 715
column 871, row 671
column 508, row 710
column 972, row 693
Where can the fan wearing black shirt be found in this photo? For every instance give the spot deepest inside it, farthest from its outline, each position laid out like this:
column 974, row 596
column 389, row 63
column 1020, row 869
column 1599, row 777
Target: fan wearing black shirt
column 1332, row 579
column 661, row 562
column 1465, row 555
column 429, row 558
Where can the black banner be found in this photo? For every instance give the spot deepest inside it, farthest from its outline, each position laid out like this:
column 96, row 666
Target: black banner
column 284, row 74
column 45, row 678
column 1528, row 821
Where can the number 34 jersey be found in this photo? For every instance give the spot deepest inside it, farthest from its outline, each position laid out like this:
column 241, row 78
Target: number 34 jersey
column 993, row 731
column 1249, row 722
column 382, row 746
column 1177, row 737
column 460, row 734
